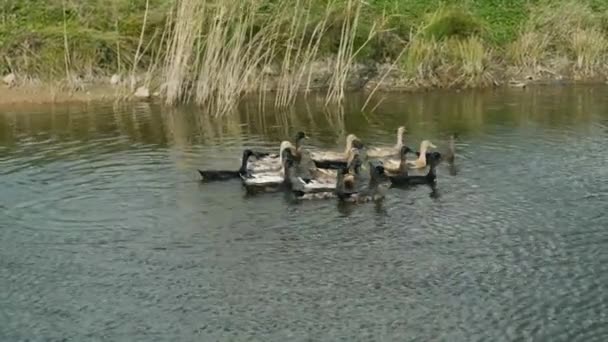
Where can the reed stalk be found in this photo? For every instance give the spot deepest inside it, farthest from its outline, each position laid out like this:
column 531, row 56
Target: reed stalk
column 342, row 61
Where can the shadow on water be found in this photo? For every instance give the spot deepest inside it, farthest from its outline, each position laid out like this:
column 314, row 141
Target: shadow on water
column 107, row 232
column 435, row 114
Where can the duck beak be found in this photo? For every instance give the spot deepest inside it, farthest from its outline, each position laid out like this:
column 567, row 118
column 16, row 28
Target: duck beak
column 431, row 145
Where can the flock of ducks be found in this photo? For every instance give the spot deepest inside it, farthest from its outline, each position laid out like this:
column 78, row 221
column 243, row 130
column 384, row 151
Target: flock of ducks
column 360, row 173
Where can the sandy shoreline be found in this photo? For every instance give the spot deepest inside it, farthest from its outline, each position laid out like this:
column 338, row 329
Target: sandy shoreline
column 44, row 94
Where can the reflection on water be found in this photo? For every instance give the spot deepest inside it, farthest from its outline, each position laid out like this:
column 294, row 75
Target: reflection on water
column 106, row 233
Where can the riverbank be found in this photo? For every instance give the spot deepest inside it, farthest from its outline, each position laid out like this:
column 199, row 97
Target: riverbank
column 49, row 94
column 213, row 54
column 374, row 81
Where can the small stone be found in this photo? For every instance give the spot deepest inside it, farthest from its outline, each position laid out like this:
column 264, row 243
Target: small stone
column 271, row 70
column 115, row 79
column 9, row 79
column 517, row 84
column 142, row 92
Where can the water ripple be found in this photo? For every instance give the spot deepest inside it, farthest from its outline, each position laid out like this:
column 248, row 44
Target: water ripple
column 106, row 232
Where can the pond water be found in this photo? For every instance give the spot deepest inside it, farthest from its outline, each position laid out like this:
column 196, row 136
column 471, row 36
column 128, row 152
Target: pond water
column 106, row 232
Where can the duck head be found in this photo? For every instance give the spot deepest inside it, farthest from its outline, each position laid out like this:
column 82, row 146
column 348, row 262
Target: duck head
column 358, row 144
column 404, row 151
column 435, row 158
column 299, row 137
column 376, row 171
column 247, row 153
column 426, row 144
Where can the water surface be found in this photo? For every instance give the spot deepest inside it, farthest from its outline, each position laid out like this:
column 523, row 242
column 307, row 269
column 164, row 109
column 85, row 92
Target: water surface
column 107, row 234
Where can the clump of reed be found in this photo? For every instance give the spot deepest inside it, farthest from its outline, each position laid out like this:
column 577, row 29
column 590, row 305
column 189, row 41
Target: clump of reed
column 448, row 50
column 221, row 51
column 347, row 50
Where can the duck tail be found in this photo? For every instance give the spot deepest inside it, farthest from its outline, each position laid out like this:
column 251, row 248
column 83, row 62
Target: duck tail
column 329, row 164
column 218, row 175
column 260, row 155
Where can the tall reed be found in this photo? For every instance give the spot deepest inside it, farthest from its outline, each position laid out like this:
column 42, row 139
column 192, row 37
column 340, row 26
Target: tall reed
column 346, row 51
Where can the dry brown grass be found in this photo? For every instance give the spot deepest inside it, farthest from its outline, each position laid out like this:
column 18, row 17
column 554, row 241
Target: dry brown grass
column 346, row 51
column 470, row 60
column 561, row 37
column 589, row 48
column 215, row 56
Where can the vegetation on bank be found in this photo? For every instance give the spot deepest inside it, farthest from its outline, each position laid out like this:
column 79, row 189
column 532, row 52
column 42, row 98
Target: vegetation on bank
column 213, row 52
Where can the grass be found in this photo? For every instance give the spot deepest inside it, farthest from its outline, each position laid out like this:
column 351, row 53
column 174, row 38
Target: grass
column 214, row 52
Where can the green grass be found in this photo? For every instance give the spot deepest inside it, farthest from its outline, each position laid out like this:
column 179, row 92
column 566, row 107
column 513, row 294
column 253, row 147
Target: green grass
column 103, row 35
column 99, row 28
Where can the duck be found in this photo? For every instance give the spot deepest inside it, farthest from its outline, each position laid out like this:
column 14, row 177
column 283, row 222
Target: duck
column 373, row 191
column 313, row 179
column 392, row 167
column 220, row 175
column 422, row 154
column 298, row 148
column 266, row 162
column 430, row 178
column 450, row 153
column 326, row 186
column 338, row 164
column 383, row 152
column 271, row 180
column 332, row 159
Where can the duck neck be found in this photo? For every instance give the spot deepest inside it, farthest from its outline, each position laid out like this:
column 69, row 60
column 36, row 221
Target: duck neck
column 281, row 158
column 287, row 172
column 298, row 143
column 374, row 180
column 373, row 176
column 431, row 173
column 399, row 139
column 403, row 164
column 340, row 181
column 422, row 157
column 349, row 145
column 244, row 161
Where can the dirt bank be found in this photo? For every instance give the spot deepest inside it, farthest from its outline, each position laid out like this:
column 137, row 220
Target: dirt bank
column 47, row 94
column 376, row 79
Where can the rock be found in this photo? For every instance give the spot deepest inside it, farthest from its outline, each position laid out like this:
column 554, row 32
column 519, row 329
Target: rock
column 358, row 75
column 517, row 84
column 9, row 79
column 388, row 78
column 320, row 73
column 115, row 79
column 271, row 70
column 135, row 79
column 142, row 92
